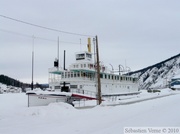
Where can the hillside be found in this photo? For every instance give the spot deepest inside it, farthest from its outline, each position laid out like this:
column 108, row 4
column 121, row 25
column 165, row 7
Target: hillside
column 12, row 82
column 158, row 75
column 8, row 84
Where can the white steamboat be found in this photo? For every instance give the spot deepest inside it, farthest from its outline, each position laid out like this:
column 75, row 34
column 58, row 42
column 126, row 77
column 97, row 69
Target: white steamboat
column 81, row 77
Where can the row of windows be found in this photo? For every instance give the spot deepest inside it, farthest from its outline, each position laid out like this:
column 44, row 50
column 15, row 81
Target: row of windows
column 83, row 56
column 110, row 85
column 90, row 66
column 79, row 66
column 102, row 76
column 77, row 74
column 116, row 77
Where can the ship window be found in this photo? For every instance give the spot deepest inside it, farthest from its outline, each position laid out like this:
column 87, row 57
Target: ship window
column 88, row 55
column 71, row 74
column 109, row 76
column 84, row 65
column 73, row 86
column 57, row 87
column 101, row 75
column 68, row 74
column 105, row 76
column 80, row 56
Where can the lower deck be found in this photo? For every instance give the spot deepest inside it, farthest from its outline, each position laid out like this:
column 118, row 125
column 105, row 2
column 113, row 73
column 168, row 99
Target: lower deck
column 107, row 86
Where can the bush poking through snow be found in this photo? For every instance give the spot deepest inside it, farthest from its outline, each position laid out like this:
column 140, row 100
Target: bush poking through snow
column 153, row 91
column 173, row 89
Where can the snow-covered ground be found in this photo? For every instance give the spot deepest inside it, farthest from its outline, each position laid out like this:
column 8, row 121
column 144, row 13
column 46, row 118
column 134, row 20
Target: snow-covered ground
column 61, row 118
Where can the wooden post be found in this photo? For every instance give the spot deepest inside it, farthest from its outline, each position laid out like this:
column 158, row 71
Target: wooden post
column 98, row 73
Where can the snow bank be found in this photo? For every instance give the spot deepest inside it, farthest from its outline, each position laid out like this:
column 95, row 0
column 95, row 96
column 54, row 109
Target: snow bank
column 17, row 118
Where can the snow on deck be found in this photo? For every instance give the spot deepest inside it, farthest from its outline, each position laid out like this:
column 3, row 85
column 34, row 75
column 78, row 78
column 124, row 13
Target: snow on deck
column 40, row 92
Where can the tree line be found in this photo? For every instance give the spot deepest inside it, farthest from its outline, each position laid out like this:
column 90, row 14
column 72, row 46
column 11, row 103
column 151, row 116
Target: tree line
column 12, row 82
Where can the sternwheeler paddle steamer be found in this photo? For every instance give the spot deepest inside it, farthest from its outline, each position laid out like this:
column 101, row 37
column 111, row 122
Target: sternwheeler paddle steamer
column 80, row 81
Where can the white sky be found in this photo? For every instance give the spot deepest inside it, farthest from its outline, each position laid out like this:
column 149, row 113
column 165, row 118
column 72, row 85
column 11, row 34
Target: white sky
column 138, row 32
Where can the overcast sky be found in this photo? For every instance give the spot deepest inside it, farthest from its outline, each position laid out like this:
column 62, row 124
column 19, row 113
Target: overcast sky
column 138, row 33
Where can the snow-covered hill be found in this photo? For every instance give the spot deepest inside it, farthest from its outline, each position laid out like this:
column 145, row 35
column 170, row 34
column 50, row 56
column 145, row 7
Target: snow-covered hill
column 158, row 75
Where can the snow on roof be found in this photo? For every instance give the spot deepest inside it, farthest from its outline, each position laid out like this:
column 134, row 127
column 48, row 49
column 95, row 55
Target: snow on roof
column 40, row 92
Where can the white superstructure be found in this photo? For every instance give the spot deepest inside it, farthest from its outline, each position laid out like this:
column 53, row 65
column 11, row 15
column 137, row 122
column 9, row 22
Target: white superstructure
column 82, row 76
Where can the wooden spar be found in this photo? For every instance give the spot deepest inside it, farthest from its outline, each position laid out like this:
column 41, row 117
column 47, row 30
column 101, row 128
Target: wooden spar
column 98, row 73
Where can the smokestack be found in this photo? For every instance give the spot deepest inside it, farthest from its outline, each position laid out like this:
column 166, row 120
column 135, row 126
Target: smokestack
column 89, row 45
column 64, row 60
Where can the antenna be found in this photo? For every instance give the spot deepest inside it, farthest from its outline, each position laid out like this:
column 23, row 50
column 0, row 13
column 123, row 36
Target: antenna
column 80, row 43
column 64, row 59
column 32, row 84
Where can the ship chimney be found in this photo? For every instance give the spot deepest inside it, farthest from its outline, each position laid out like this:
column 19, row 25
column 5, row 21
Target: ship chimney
column 89, row 45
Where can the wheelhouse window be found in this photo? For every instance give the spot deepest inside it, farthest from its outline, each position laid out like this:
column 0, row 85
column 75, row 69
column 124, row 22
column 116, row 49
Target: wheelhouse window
column 80, row 56
column 88, row 55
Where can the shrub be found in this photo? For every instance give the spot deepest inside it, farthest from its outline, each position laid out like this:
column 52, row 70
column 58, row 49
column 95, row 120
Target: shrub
column 153, row 91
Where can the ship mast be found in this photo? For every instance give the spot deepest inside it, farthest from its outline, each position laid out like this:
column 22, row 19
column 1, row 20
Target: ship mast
column 58, row 53
column 32, row 84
